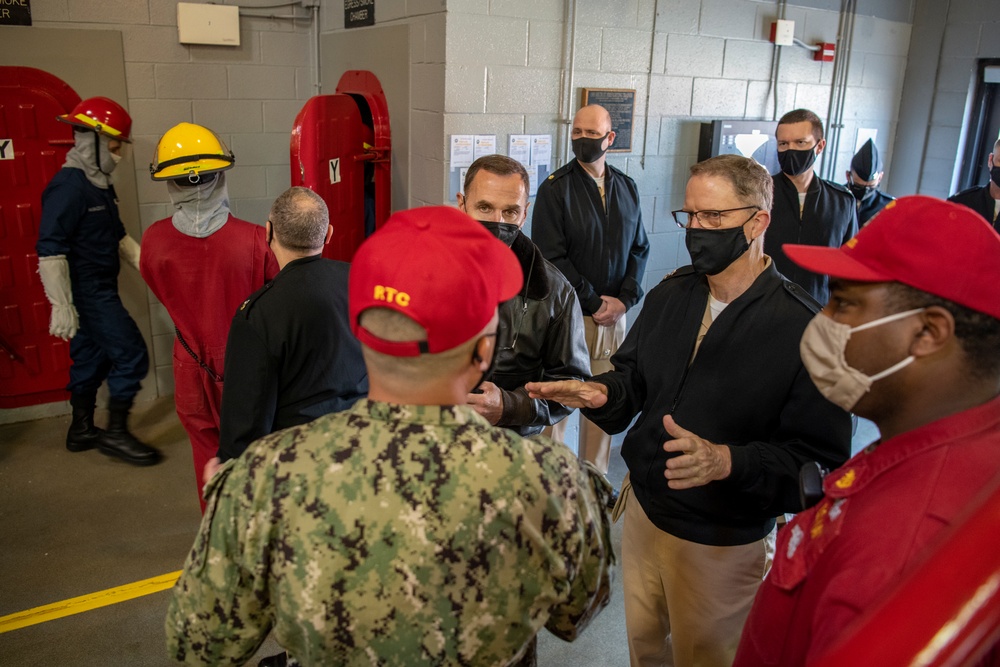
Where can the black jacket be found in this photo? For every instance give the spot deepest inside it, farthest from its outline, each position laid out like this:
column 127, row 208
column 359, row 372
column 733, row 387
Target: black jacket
column 291, row 356
column 829, row 218
column 980, row 201
column 746, row 388
column 871, row 205
column 540, row 339
column 600, row 252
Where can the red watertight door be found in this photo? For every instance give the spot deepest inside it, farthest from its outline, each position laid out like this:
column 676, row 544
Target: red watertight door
column 34, row 366
column 340, row 150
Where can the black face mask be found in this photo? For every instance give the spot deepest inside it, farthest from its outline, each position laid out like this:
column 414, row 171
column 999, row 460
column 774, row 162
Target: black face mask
column 995, row 175
column 589, row 150
column 713, row 250
column 794, row 162
column 504, row 231
column 861, row 192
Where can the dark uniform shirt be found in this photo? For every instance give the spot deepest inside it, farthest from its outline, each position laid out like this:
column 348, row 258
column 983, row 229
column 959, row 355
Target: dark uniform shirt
column 291, row 356
column 80, row 220
column 872, row 204
column 829, row 218
column 980, row 201
column 601, row 252
column 746, row 388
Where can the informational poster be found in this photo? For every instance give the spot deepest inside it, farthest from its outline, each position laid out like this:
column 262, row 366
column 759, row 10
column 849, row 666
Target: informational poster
column 484, row 144
column 541, row 149
column 519, row 148
column 620, row 103
column 462, row 150
column 534, row 151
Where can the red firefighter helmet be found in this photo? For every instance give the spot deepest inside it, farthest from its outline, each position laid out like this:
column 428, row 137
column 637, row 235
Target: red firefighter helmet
column 101, row 115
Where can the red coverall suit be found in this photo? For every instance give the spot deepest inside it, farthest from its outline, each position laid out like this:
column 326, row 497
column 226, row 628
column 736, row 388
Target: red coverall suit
column 202, row 282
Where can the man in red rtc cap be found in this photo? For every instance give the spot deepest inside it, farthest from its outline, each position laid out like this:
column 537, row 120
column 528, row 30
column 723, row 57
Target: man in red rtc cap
column 406, row 530
column 911, row 340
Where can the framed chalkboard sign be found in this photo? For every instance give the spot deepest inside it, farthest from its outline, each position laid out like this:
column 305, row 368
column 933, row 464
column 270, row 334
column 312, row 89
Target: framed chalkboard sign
column 620, row 103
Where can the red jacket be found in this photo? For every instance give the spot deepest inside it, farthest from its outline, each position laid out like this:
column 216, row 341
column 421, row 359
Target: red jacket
column 880, row 511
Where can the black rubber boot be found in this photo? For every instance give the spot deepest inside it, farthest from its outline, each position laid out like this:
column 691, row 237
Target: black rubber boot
column 82, row 434
column 118, row 442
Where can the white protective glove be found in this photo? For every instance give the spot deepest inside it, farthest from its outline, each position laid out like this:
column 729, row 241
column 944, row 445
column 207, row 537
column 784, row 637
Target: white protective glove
column 54, row 271
column 128, row 250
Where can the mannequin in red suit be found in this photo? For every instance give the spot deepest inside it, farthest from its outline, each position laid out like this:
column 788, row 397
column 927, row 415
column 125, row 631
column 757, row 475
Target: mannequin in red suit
column 201, row 263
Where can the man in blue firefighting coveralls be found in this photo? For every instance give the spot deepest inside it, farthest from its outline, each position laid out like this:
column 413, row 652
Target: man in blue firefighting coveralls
column 79, row 242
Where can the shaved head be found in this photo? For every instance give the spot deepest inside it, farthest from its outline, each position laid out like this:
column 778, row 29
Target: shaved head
column 593, row 116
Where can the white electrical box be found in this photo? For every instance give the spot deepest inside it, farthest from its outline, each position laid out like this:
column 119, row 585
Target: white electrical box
column 208, row 24
column 783, row 32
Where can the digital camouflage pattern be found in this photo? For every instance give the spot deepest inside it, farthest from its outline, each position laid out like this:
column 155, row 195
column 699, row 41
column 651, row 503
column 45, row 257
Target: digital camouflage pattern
column 394, row 535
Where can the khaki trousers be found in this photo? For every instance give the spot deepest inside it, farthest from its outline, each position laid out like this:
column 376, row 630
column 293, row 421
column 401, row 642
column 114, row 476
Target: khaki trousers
column 594, row 444
column 685, row 603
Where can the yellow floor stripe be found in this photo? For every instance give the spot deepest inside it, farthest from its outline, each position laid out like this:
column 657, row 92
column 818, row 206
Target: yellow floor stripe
column 50, row 612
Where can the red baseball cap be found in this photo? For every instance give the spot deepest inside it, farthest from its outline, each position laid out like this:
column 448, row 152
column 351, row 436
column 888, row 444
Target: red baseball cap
column 935, row 246
column 440, row 268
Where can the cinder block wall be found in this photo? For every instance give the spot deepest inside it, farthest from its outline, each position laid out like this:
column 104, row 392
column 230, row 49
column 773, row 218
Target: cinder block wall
column 494, row 67
column 698, row 60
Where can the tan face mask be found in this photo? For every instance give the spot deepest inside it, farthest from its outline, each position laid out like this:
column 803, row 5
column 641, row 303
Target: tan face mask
column 822, row 348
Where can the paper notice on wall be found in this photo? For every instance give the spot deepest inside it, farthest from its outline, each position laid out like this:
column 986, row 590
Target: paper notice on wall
column 462, row 150
column 520, row 148
column 541, row 150
column 532, row 178
column 485, row 144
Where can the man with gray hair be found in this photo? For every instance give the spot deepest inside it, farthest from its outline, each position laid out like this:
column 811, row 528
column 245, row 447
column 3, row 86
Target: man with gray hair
column 290, row 357
column 727, row 416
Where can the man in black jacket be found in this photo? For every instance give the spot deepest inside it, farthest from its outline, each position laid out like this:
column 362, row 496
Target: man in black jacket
column 588, row 223
column 807, row 209
column 727, row 415
column 863, row 180
column 540, row 334
column 291, row 356
column 985, row 199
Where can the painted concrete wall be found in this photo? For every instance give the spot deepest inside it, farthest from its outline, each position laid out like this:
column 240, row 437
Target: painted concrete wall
column 948, row 38
column 695, row 60
column 496, row 66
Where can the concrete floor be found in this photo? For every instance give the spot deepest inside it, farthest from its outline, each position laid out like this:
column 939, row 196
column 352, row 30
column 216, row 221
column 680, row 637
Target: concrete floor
column 74, row 524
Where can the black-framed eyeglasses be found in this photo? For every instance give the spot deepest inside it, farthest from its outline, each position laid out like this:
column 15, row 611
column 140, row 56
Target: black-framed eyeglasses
column 707, row 219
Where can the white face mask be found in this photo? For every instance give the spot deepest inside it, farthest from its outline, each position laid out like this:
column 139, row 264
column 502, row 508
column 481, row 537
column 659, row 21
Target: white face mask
column 108, row 159
column 822, row 348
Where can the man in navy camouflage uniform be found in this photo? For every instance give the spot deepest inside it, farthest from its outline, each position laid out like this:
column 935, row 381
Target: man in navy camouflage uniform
column 406, row 530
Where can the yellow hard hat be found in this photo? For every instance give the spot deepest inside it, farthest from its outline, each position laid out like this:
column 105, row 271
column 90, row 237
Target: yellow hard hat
column 189, row 150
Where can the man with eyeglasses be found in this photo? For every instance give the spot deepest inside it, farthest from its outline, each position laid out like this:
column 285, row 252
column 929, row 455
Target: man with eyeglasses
column 727, row 416
column 540, row 334
column 807, row 209
column 588, row 223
